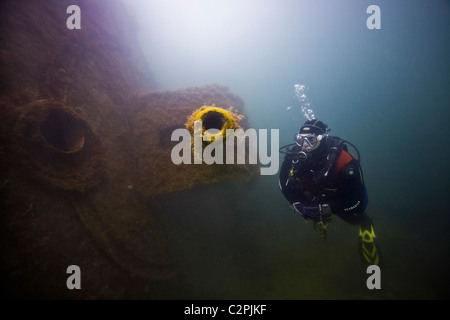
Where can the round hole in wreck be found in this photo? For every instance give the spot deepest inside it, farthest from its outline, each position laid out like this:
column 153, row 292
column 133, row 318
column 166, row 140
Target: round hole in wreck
column 63, row 131
column 213, row 120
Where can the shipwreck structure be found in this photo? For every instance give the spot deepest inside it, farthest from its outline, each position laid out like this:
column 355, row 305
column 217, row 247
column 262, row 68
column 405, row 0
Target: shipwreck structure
column 85, row 142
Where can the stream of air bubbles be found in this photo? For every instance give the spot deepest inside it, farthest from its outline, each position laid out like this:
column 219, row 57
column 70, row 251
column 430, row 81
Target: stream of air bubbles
column 303, row 102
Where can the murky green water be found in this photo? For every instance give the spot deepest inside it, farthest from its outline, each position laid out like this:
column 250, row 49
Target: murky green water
column 384, row 90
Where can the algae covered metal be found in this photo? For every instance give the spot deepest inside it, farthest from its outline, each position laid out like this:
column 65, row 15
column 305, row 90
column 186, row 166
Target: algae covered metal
column 85, row 143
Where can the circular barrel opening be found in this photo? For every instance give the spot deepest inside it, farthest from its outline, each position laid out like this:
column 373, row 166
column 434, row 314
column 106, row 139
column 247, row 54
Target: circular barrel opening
column 213, row 120
column 63, row 131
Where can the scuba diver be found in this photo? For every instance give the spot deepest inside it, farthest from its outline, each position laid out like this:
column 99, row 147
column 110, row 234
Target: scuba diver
column 319, row 178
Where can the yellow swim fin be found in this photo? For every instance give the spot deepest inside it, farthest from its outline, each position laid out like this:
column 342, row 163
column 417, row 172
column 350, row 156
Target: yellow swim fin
column 368, row 247
column 321, row 226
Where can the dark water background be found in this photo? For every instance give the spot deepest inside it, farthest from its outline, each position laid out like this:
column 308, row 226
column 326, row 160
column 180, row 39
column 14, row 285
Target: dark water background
column 384, row 90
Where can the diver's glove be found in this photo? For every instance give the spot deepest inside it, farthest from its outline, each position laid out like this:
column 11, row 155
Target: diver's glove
column 325, row 210
column 307, row 211
column 316, row 212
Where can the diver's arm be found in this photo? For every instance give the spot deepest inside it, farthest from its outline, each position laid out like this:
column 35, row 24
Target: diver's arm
column 284, row 173
column 284, row 182
column 312, row 210
column 290, row 189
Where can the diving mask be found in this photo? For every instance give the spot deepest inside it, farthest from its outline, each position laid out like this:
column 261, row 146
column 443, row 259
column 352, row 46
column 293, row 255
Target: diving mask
column 308, row 141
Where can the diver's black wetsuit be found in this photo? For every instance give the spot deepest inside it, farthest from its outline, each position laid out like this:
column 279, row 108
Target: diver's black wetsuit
column 335, row 179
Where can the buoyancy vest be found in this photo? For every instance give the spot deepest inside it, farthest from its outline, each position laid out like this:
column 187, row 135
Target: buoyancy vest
column 337, row 156
column 343, row 159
